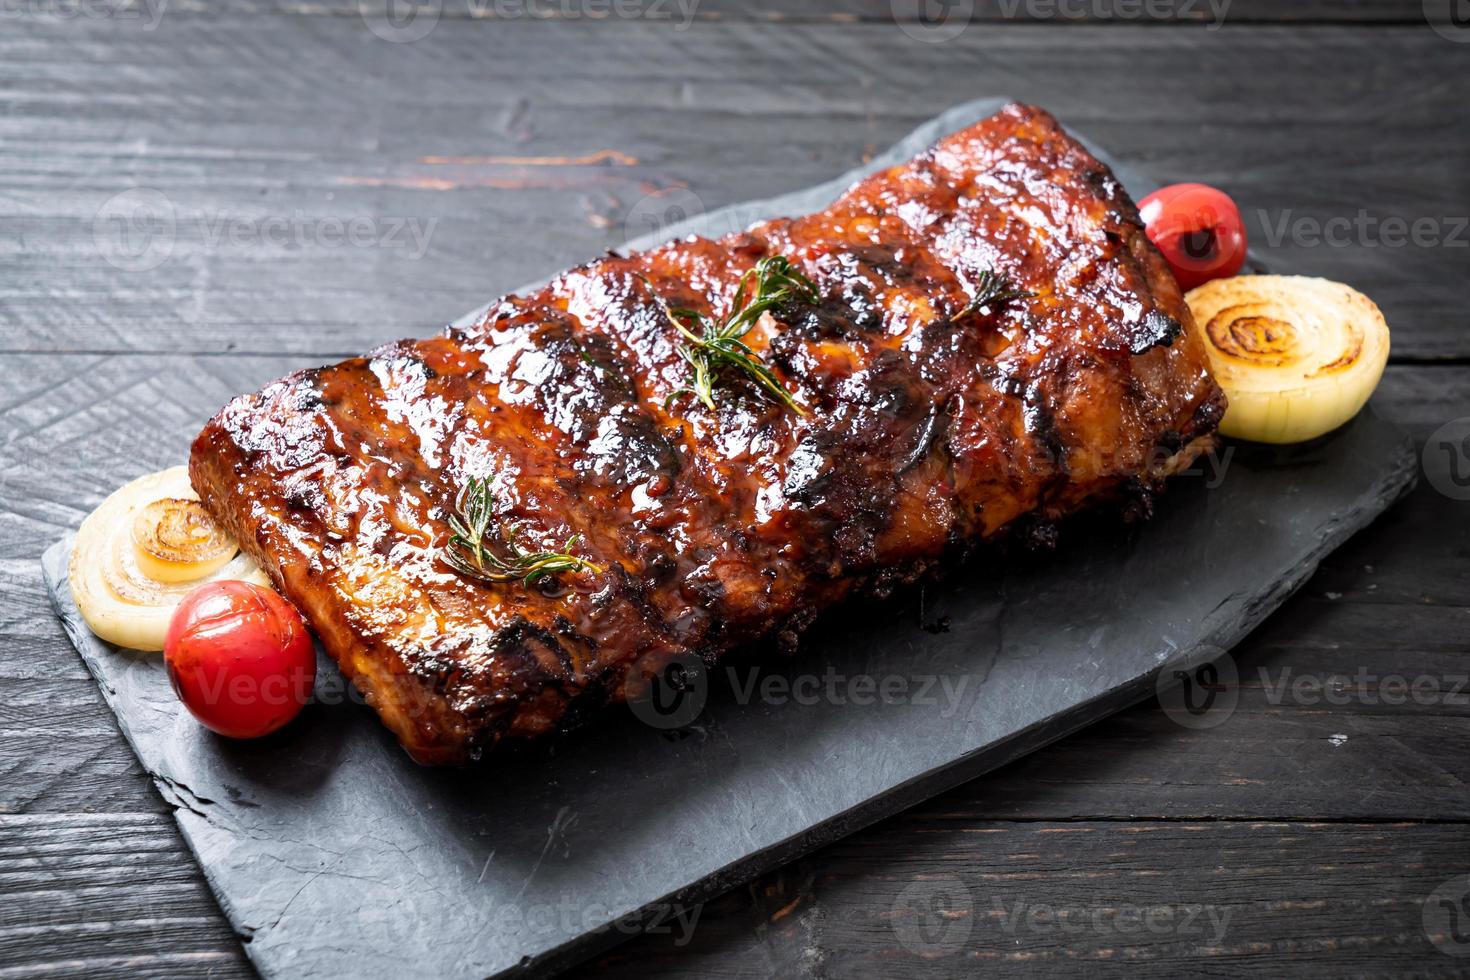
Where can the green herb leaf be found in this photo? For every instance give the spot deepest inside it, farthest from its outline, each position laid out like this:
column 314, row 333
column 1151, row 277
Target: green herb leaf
column 717, row 347
column 468, row 553
column 992, row 290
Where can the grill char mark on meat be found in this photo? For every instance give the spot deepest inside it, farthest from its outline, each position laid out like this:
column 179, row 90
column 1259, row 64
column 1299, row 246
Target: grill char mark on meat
column 928, row 428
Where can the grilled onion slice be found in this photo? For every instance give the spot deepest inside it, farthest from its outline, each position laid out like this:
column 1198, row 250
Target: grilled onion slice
column 1297, row 356
column 175, row 540
column 140, row 552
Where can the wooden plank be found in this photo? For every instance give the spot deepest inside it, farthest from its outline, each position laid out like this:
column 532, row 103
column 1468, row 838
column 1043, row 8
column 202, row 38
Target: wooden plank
column 837, row 12
column 107, row 895
column 1235, row 12
column 1243, row 896
column 922, row 897
column 480, row 157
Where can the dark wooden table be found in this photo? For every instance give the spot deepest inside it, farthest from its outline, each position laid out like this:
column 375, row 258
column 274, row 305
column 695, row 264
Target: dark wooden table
column 294, row 187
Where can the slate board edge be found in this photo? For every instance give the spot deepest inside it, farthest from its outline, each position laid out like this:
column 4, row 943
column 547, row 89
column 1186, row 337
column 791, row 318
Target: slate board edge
column 1394, row 483
column 1397, row 480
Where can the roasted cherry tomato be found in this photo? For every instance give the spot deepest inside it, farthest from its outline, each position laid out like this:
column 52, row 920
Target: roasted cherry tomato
column 240, row 658
column 1199, row 231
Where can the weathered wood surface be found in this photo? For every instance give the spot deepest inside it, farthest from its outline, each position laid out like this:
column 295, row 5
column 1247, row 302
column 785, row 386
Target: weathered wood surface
column 1320, row 828
column 859, row 11
column 488, row 154
column 934, row 895
column 837, row 12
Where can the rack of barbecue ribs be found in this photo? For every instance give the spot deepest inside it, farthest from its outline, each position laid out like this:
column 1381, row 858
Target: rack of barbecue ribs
column 705, row 445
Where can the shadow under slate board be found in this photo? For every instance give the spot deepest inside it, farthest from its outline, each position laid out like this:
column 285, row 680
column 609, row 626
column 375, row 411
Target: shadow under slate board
column 333, row 854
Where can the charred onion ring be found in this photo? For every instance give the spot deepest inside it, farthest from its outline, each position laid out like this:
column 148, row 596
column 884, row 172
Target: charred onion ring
column 140, row 552
column 1297, row 356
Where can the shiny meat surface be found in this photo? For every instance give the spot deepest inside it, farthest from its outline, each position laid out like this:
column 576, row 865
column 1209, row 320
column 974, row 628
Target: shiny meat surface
column 929, row 426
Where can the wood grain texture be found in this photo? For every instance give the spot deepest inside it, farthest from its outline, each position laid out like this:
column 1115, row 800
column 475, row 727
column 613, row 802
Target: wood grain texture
column 928, row 896
column 1320, row 827
column 269, row 167
column 106, row 895
column 839, row 12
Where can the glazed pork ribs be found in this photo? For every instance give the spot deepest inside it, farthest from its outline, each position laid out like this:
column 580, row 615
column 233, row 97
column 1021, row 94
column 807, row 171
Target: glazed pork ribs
column 991, row 343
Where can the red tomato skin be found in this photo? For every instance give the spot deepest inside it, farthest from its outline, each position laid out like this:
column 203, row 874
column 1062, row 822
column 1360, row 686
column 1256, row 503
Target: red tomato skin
column 240, row 658
column 1199, row 231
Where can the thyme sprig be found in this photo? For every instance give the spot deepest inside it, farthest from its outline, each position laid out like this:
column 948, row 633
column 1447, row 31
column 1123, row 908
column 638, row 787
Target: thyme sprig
column 992, row 289
column 469, row 554
column 715, row 347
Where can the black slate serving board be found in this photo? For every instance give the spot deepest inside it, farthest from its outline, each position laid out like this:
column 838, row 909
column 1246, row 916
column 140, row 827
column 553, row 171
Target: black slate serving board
column 332, row 854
